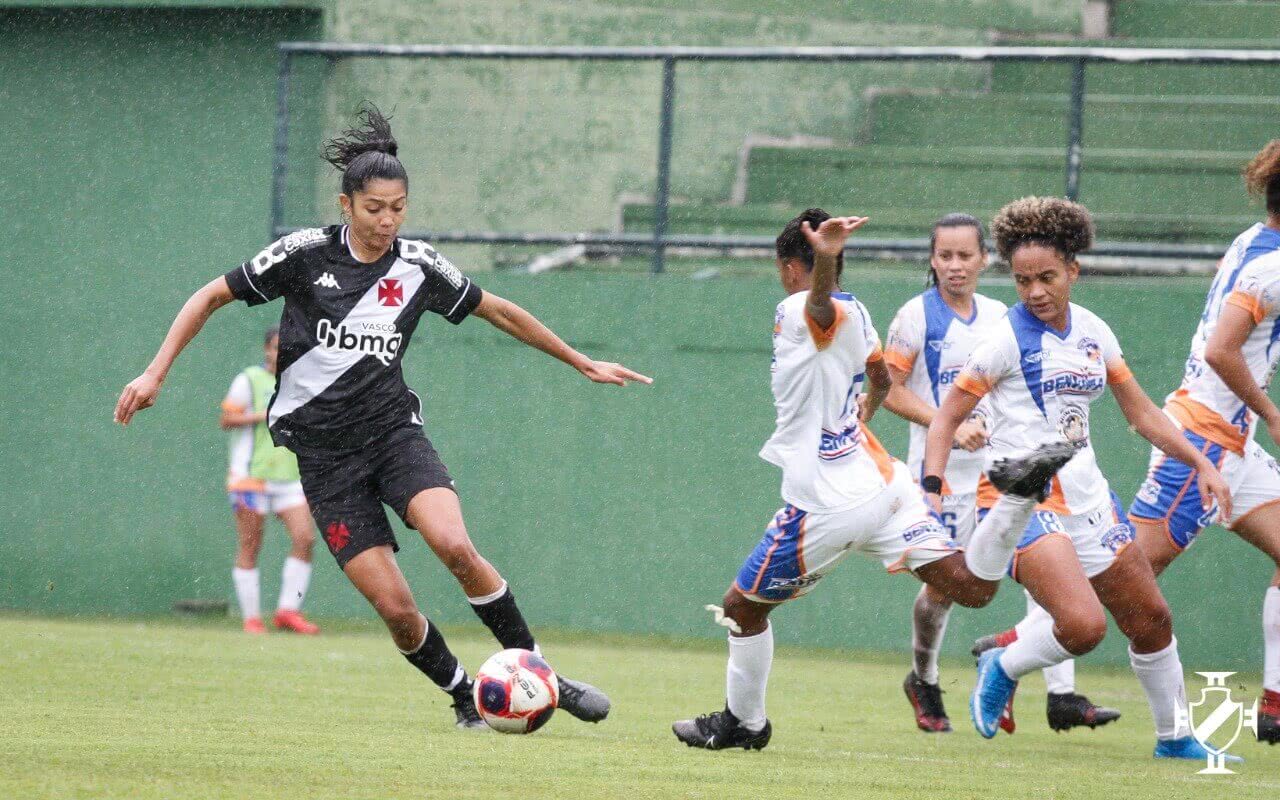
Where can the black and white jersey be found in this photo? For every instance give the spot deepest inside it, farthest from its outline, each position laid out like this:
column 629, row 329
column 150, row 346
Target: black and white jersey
column 343, row 331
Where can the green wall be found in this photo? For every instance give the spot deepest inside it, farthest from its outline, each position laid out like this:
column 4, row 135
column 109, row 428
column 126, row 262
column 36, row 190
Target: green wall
column 608, row 509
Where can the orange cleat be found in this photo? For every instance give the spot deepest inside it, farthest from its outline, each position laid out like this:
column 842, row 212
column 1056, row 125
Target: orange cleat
column 287, row 620
column 254, row 625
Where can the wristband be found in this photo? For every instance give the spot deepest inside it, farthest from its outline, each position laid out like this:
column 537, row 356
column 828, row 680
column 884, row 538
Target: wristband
column 931, row 484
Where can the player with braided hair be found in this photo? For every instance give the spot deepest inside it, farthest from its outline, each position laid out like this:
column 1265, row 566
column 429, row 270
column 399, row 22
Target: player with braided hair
column 1040, row 370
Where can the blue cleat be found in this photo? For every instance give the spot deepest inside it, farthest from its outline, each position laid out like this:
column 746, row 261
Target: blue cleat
column 991, row 694
column 1187, row 747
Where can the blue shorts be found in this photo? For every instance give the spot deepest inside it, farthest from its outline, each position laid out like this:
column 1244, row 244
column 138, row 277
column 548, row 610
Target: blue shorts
column 1171, row 494
column 1097, row 536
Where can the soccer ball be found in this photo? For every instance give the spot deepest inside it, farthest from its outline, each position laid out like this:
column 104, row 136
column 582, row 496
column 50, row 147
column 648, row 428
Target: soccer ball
column 516, row 691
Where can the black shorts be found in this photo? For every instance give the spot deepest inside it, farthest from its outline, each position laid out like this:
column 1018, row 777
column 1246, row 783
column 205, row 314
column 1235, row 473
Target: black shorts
column 346, row 489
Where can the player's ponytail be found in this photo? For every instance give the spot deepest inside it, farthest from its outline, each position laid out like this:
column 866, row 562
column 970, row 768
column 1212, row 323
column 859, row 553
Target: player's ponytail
column 366, row 152
column 1262, row 175
column 953, row 220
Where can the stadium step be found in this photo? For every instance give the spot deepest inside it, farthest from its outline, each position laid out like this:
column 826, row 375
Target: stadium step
column 766, row 219
column 989, row 119
column 883, row 176
column 1196, row 19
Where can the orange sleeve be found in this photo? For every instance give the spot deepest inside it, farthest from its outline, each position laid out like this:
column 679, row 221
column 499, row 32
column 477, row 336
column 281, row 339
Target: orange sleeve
column 899, row 360
column 876, row 355
column 823, row 337
column 1249, row 303
column 975, row 385
column 1118, row 371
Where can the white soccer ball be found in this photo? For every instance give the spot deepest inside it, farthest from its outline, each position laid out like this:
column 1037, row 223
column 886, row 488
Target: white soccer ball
column 516, row 691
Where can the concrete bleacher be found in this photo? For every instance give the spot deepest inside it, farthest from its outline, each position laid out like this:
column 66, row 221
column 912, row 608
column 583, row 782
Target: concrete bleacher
column 1163, row 144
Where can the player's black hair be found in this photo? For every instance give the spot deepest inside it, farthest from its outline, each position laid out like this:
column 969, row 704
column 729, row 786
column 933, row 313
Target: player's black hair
column 792, row 244
column 366, row 152
column 1262, row 175
column 954, row 220
column 1049, row 221
column 272, row 333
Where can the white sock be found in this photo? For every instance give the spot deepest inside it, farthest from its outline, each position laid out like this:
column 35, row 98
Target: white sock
column 928, row 626
column 486, row 599
column 1160, row 674
column 747, row 676
column 1271, row 640
column 1037, row 649
column 1060, row 678
column 996, row 538
column 293, row 583
column 247, row 591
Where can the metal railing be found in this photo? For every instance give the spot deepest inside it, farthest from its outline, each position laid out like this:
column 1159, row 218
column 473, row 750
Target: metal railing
column 659, row 240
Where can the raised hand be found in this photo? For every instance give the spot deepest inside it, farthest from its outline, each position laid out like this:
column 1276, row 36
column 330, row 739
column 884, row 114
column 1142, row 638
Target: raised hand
column 829, row 238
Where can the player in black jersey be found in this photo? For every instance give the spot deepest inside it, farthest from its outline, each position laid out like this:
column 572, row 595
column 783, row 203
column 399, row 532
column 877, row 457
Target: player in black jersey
column 353, row 296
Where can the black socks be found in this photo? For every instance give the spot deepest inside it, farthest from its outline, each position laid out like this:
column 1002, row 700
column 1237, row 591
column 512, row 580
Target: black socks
column 503, row 618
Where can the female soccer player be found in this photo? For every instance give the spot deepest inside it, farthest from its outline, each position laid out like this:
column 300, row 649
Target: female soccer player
column 263, row 479
column 944, row 324
column 842, row 490
column 353, row 295
column 1222, row 397
column 1040, row 369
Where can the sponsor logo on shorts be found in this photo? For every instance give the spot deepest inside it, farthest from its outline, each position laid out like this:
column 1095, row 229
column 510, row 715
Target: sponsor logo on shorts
column 378, row 339
column 336, row 535
column 794, row 584
column 1149, row 492
column 1117, row 537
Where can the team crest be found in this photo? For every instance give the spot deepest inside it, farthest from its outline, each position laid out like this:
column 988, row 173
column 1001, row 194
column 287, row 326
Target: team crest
column 1091, row 349
column 1073, row 424
column 1216, row 720
column 390, row 292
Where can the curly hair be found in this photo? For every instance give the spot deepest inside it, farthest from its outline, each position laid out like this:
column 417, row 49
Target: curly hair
column 366, row 152
column 1050, row 221
column 1262, row 175
column 791, row 243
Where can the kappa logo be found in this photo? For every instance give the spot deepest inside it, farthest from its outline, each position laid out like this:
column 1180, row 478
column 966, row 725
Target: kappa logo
column 380, row 340
column 390, row 292
column 327, row 281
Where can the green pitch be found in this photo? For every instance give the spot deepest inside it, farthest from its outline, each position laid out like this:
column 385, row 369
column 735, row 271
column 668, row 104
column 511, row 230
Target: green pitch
column 163, row 709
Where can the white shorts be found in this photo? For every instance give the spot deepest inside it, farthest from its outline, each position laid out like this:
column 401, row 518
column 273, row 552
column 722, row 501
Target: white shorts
column 960, row 516
column 800, row 547
column 1170, row 496
column 1098, row 536
column 275, row 497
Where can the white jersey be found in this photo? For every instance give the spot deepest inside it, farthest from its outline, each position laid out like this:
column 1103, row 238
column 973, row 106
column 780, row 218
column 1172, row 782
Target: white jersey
column 1040, row 384
column 1248, row 277
column 240, row 399
column 926, row 326
column 830, row 462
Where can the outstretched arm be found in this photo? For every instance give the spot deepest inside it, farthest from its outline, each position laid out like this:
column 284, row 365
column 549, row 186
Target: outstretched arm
column 1225, row 354
column 142, row 391
column 514, row 321
column 1152, row 425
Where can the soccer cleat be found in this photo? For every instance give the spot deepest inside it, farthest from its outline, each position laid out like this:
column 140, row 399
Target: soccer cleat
column 926, row 701
column 464, row 708
column 254, row 625
column 1269, row 717
column 1187, row 747
column 1071, row 710
column 991, row 694
column 583, row 700
column 985, row 643
column 287, row 620
column 1029, row 475
column 1007, row 723
column 720, row 730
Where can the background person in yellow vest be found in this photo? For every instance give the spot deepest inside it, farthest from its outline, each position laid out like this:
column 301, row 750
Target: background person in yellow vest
column 263, row 478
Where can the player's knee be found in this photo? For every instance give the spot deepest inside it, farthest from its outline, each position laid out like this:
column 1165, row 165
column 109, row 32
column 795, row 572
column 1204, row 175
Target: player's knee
column 750, row 617
column 460, row 557
column 1154, row 630
column 1082, row 630
column 399, row 613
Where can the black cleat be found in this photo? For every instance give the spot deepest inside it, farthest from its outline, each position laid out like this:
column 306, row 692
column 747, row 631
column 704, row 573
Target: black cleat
column 720, row 730
column 583, row 700
column 1269, row 718
column 1029, row 475
column 1067, row 711
column 464, row 708
column 983, row 644
column 926, row 701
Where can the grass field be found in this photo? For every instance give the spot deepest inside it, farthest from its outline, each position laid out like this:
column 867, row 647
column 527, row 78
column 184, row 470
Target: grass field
column 170, row 709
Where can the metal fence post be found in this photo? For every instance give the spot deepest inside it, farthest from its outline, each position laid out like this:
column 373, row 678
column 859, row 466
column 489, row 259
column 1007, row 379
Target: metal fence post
column 280, row 157
column 1075, row 134
column 662, row 196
